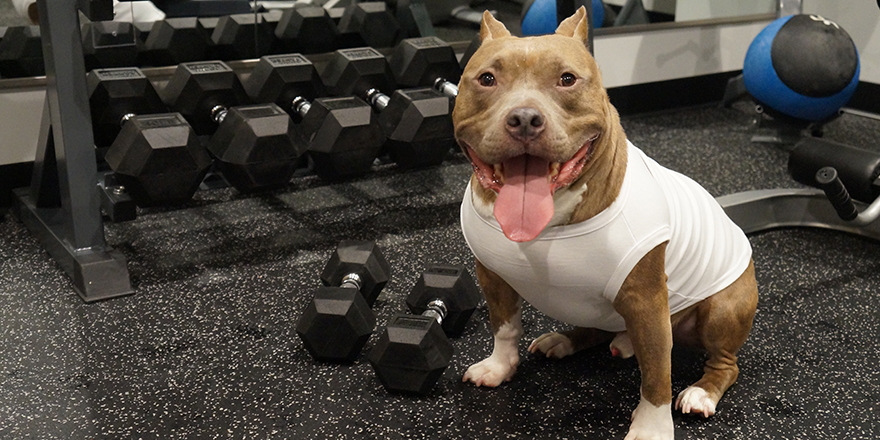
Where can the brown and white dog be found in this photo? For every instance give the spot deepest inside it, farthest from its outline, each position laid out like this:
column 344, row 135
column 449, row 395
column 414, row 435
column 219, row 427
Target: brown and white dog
column 552, row 169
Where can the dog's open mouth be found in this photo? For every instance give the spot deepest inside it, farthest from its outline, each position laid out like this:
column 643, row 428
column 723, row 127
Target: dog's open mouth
column 525, row 185
column 559, row 174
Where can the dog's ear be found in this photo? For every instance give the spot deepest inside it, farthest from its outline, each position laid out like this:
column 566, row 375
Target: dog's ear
column 575, row 26
column 490, row 28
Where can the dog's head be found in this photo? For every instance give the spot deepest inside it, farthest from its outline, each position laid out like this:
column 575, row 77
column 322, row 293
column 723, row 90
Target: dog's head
column 531, row 115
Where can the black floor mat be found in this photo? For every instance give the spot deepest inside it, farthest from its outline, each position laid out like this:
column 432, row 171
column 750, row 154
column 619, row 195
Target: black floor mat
column 206, row 348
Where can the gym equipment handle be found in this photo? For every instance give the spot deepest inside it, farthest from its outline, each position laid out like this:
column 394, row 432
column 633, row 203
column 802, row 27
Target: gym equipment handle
column 352, row 281
column 377, row 99
column 445, row 87
column 437, row 310
column 836, row 192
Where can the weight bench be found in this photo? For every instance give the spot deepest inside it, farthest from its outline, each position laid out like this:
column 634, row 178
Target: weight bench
column 845, row 196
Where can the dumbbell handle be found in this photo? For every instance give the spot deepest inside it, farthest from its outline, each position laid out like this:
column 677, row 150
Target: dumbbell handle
column 446, row 87
column 125, row 118
column 437, row 310
column 352, row 281
column 377, row 99
column 218, row 113
column 380, row 100
column 300, row 106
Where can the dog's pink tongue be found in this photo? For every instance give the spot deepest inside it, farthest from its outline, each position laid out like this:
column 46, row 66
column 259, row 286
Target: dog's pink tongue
column 524, row 205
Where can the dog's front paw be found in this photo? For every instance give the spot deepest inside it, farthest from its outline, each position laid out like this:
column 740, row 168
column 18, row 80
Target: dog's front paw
column 651, row 422
column 695, row 400
column 553, row 345
column 492, row 371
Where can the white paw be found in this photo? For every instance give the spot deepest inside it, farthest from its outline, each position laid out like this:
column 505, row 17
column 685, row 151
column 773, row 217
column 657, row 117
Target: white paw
column 651, row 422
column 621, row 346
column 492, row 371
column 554, row 345
column 695, row 400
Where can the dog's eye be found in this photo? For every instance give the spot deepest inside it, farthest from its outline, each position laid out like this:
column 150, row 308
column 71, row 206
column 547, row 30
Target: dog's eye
column 487, row 79
column 567, row 79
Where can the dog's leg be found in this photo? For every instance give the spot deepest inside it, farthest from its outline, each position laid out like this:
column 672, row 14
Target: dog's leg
column 558, row 345
column 723, row 322
column 505, row 318
column 643, row 302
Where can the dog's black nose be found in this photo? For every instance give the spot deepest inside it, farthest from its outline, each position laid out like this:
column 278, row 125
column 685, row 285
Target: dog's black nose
column 525, row 123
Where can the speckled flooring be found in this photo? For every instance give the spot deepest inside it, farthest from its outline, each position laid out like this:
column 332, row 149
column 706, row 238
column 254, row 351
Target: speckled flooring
column 206, row 348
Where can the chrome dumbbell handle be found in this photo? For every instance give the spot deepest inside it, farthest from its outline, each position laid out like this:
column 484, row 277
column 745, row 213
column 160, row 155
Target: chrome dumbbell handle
column 352, row 281
column 437, row 310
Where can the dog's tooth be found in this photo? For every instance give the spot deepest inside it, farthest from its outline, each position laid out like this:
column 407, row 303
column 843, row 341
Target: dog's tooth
column 554, row 170
column 499, row 173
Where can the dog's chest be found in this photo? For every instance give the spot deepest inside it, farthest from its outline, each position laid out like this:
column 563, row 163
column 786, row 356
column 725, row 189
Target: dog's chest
column 557, row 279
column 571, row 272
column 574, row 272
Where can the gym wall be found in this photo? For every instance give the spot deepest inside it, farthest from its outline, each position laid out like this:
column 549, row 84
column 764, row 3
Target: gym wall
column 674, row 53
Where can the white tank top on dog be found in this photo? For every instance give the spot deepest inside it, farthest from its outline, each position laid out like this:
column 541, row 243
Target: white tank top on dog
column 572, row 273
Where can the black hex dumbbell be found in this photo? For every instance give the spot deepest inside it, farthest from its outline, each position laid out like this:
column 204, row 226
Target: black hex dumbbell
column 177, row 40
column 414, row 350
column 417, row 122
column 110, row 44
column 338, row 321
column 353, row 71
column 414, row 19
column 426, row 62
column 311, row 28
column 244, row 36
column 155, row 155
column 254, row 145
column 470, row 50
column 306, row 29
column 368, row 24
column 115, row 96
column 341, row 135
column 21, row 52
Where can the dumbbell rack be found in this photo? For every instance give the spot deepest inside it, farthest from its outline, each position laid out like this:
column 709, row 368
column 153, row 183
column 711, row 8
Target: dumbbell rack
column 62, row 206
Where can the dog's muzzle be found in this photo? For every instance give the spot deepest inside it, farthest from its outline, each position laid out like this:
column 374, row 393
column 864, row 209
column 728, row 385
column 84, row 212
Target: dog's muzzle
column 525, row 185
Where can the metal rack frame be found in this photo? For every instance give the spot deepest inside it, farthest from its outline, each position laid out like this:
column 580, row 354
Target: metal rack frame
column 62, row 206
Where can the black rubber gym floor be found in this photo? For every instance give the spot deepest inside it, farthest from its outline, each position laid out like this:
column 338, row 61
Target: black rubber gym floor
column 206, row 348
